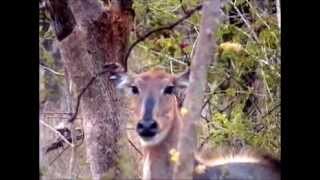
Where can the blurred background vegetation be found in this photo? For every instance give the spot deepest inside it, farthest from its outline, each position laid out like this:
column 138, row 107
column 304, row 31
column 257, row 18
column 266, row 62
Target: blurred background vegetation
column 242, row 103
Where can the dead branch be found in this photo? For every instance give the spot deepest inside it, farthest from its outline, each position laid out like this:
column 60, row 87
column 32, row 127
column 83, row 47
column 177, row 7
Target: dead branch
column 51, row 70
column 57, row 157
column 63, row 113
column 60, row 142
column 245, row 21
column 57, row 132
column 66, row 133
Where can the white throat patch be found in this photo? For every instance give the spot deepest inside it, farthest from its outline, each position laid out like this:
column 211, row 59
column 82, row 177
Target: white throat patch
column 146, row 169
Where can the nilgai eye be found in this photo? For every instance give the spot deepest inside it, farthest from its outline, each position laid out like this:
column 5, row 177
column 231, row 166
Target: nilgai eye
column 168, row 90
column 134, row 89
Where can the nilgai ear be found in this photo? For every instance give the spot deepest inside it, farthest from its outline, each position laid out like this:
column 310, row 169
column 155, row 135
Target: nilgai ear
column 117, row 75
column 182, row 80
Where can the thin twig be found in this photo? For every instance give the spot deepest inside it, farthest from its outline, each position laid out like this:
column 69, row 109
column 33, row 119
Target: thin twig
column 59, row 117
column 256, row 105
column 245, row 21
column 57, row 132
column 183, row 8
column 206, row 140
column 171, row 68
column 194, row 44
column 206, row 102
column 73, row 153
column 51, row 70
column 266, row 84
column 268, row 113
column 263, row 21
column 58, row 155
column 236, row 92
column 205, row 118
column 228, row 105
column 168, row 27
column 135, row 147
column 65, row 113
column 82, row 92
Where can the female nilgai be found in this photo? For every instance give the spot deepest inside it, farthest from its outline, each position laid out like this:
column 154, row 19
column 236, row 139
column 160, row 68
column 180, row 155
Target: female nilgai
column 158, row 121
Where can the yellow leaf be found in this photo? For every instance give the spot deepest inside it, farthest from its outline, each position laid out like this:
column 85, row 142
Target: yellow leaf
column 174, row 156
column 231, row 46
column 183, row 111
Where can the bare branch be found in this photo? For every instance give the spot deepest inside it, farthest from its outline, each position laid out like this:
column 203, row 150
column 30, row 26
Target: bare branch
column 51, row 70
column 58, row 155
column 73, row 149
column 258, row 15
column 183, row 8
column 245, row 21
column 60, row 144
column 64, row 113
column 57, row 132
column 74, row 116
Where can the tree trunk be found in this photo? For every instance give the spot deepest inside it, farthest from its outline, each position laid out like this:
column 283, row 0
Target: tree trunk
column 100, row 36
column 195, row 92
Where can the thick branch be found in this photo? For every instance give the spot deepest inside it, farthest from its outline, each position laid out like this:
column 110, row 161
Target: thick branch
column 195, row 92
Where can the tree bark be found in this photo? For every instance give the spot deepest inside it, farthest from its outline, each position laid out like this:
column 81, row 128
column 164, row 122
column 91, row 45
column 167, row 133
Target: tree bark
column 100, row 36
column 195, row 92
